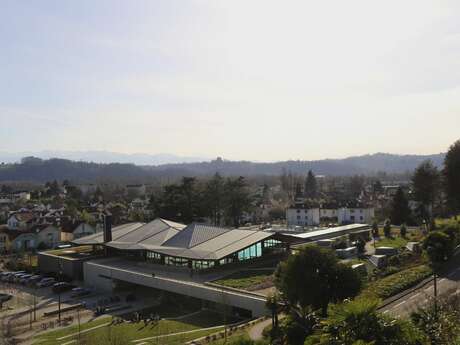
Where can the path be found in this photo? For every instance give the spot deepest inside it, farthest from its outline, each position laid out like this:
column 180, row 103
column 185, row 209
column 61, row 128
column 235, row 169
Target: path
column 256, row 332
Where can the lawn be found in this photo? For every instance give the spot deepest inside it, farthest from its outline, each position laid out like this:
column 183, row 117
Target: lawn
column 127, row 332
column 396, row 283
column 248, row 280
column 396, row 242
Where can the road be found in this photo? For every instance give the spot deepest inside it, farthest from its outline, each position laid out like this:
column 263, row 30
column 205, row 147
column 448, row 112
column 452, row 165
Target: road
column 404, row 306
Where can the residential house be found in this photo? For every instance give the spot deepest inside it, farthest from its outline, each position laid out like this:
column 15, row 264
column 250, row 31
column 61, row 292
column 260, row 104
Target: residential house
column 22, row 220
column 15, row 241
column 355, row 214
column 75, row 229
column 303, row 215
column 48, row 235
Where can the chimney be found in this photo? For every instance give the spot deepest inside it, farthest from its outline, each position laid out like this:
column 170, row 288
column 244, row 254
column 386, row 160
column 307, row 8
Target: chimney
column 107, row 228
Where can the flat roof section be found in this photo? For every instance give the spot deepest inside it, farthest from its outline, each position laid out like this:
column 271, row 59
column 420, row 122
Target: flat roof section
column 328, row 233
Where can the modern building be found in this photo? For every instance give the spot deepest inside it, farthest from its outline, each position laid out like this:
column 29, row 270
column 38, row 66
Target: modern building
column 173, row 257
column 196, row 246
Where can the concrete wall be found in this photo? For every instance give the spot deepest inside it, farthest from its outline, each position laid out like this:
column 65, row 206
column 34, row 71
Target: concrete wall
column 101, row 277
column 49, row 263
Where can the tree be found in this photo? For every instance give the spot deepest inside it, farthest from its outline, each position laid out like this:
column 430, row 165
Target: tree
column 361, row 245
column 439, row 247
column 400, row 211
column 375, row 229
column 452, row 176
column 387, row 228
column 358, row 322
column 403, row 230
column 237, row 199
column 311, row 186
column 425, row 182
column 333, row 281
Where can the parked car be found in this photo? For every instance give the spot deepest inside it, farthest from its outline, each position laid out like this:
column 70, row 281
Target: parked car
column 46, row 282
column 4, row 276
column 23, row 279
column 18, row 277
column 62, row 286
column 32, row 281
column 79, row 291
column 12, row 278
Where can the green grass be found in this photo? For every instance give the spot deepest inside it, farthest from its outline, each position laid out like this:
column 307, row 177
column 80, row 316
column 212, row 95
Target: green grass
column 396, row 283
column 247, row 280
column 126, row 332
column 395, row 242
column 69, row 251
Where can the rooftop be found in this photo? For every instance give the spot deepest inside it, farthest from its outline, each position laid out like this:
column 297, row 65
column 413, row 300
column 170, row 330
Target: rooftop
column 195, row 241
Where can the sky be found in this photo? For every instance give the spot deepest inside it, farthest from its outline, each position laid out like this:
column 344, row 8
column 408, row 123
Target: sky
column 258, row 80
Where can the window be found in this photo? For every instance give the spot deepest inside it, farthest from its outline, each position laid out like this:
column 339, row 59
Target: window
column 225, row 261
column 298, row 217
column 174, row 261
column 152, row 256
column 202, row 264
column 253, row 251
column 271, row 243
column 298, row 211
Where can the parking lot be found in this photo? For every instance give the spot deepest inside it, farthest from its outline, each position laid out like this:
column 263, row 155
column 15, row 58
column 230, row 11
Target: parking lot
column 34, row 306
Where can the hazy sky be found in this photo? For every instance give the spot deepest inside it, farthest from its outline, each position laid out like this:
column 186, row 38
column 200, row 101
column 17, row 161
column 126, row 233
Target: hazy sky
column 261, row 80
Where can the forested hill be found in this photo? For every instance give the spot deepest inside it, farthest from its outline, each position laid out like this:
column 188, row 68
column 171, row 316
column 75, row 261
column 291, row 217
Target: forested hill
column 38, row 170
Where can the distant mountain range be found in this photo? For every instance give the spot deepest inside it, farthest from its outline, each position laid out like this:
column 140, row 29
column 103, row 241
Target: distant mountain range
column 103, row 157
column 81, row 171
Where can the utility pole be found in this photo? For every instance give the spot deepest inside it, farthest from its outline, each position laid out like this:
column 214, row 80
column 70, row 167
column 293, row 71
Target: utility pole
column 59, row 292
column 35, row 303
column 79, row 328
column 435, row 285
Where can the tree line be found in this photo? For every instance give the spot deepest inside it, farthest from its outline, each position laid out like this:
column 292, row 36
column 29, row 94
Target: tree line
column 222, row 200
column 434, row 190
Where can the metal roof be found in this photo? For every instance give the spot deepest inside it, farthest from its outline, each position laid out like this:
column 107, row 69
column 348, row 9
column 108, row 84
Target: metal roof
column 195, row 241
column 328, row 233
column 117, row 232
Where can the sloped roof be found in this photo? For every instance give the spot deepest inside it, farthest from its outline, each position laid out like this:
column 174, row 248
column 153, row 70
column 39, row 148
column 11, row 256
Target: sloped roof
column 153, row 233
column 117, row 232
column 194, row 234
column 195, row 241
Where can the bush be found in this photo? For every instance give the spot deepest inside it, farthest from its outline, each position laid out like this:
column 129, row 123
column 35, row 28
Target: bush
column 403, row 230
column 398, row 282
column 387, row 228
column 341, row 243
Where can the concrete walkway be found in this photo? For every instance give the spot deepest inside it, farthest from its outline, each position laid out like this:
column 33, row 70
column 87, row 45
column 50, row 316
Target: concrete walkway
column 256, row 332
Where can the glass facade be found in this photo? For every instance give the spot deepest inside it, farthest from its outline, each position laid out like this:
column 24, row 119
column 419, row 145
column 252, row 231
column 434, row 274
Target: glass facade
column 202, row 264
column 251, row 252
column 271, row 243
column 254, row 251
column 174, row 261
column 152, row 256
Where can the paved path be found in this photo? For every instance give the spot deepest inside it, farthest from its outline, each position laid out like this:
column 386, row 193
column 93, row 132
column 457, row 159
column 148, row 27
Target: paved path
column 256, row 332
column 447, row 285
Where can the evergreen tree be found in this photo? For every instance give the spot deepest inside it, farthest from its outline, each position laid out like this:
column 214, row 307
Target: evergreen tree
column 400, row 211
column 425, row 182
column 214, row 198
column 237, row 200
column 452, row 176
column 311, row 186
